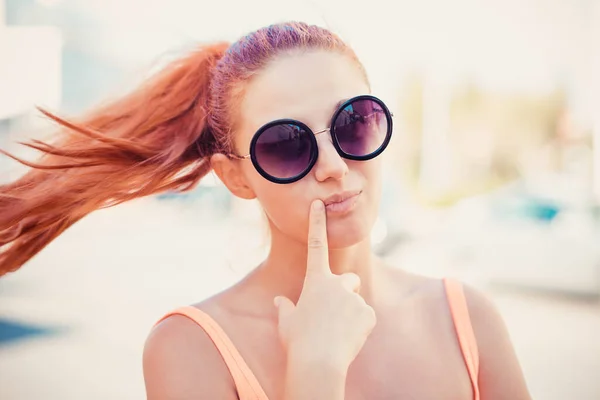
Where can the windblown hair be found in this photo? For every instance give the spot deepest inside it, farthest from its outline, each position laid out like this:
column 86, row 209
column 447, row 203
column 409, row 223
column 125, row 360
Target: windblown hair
column 158, row 138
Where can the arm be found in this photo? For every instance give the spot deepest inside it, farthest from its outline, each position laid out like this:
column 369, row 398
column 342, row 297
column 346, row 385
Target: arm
column 500, row 375
column 181, row 363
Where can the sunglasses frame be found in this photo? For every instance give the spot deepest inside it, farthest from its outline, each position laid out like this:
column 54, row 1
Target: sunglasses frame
column 314, row 152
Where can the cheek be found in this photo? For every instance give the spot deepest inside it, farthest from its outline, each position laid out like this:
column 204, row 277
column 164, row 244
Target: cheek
column 286, row 207
column 371, row 181
column 357, row 226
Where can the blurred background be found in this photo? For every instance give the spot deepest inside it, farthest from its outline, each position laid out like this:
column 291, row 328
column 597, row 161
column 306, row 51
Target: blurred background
column 492, row 177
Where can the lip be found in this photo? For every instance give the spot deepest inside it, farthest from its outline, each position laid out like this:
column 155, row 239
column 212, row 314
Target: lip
column 341, row 203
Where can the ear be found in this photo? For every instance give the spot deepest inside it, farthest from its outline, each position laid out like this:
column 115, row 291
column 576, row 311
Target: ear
column 230, row 173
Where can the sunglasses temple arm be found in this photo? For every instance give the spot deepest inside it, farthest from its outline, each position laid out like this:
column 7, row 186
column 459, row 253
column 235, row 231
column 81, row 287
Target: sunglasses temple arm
column 235, row 156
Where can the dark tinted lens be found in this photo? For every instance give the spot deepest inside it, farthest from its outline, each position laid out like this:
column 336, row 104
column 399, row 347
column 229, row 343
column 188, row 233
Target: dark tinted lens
column 361, row 127
column 283, row 151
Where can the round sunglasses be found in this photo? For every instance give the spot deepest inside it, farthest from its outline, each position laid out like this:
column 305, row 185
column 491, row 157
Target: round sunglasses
column 285, row 150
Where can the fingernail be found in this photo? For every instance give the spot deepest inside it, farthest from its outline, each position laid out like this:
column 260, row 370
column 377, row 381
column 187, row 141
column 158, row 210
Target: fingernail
column 317, row 205
column 276, row 301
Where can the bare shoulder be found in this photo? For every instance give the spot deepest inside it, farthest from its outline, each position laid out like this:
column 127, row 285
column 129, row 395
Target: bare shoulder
column 500, row 373
column 181, row 362
column 488, row 324
column 484, row 314
column 430, row 293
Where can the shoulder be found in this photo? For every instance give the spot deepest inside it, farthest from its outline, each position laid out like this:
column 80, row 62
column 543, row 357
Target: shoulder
column 180, row 361
column 500, row 373
column 488, row 325
column 485, row 316
column 432, row 293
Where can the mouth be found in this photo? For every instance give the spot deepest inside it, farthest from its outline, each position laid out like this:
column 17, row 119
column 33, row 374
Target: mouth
column 342, row 203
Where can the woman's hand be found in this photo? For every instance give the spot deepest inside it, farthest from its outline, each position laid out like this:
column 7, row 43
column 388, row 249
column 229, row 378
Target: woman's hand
column 330, row 323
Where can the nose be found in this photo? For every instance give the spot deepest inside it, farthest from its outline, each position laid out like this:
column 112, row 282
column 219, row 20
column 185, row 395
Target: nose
column 329, row 163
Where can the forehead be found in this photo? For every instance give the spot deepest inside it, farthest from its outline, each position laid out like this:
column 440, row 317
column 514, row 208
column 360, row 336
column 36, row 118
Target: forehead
column 304, row 86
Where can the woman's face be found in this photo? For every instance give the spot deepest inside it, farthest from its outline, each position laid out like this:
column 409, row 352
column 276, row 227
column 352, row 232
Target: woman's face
column 308, row 87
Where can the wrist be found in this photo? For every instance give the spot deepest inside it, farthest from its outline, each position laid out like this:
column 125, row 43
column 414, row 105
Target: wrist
column 327, row 377
column 327, row 363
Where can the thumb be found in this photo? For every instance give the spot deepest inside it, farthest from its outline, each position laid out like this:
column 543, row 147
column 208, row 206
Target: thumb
column 284, row 305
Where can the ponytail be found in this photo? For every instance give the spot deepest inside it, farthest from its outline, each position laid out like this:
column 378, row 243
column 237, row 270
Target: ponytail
column 153, row 140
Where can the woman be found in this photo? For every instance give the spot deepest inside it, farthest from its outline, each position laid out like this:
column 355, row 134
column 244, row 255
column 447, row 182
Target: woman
column 284, row 115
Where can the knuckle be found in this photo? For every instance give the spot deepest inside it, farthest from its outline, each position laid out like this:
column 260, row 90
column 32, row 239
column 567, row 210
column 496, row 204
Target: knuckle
column 315, row 243
column 371, row 312
column 358, row 301
column 350, row 280
column 370, row 316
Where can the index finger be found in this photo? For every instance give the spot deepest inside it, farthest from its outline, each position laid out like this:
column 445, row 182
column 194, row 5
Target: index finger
column 318, row 252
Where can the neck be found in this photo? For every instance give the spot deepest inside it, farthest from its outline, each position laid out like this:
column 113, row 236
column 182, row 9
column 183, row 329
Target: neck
column 283, row 272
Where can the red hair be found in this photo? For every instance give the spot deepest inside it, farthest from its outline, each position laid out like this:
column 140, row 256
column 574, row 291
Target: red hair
column 158, row 138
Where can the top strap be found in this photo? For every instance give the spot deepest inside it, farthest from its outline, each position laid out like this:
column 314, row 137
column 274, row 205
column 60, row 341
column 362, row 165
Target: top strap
column 464, row 330
column 245, row 382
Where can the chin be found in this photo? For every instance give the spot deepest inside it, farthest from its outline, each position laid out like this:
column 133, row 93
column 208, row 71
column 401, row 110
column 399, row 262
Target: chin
column 346, row 233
